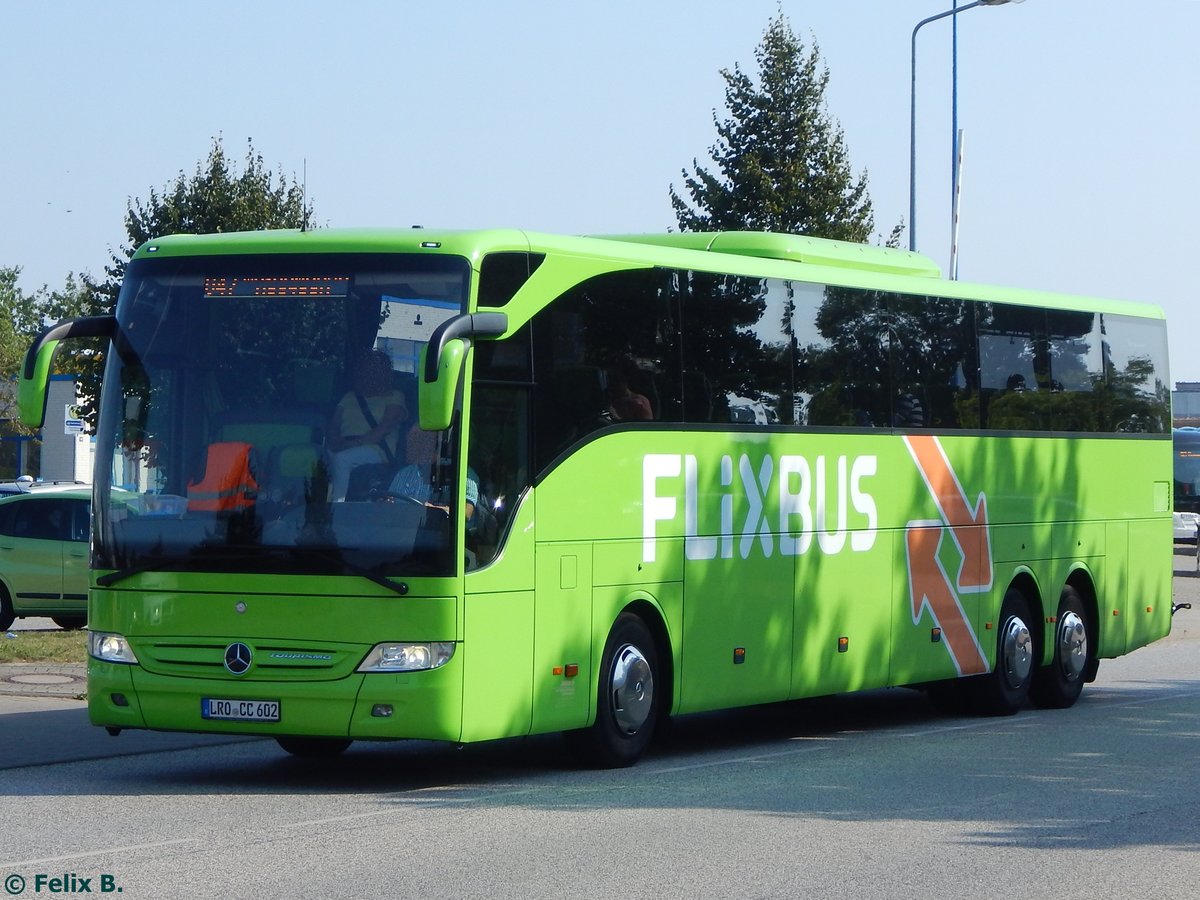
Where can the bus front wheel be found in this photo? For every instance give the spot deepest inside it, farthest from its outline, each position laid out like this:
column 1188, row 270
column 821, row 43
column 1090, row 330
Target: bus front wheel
column 628, row 701
column 1058, row 685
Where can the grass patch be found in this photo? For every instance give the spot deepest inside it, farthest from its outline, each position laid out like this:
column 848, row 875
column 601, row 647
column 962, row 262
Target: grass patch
column 44, row 646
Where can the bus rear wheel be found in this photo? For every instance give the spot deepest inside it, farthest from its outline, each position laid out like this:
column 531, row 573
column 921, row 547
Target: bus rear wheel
column 1059, row 684
column 628, row 702
column 314, row 748
column 1005, row 689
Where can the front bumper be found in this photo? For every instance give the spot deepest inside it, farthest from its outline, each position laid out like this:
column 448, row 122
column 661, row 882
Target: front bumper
column 425, row 705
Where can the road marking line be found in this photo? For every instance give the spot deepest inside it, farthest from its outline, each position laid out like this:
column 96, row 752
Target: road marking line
column 757, row 757
column 52, row 859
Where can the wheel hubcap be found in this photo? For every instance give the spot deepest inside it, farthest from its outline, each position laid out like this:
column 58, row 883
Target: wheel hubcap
column 1072, row 646
column 1016, row 652
column 632, row 689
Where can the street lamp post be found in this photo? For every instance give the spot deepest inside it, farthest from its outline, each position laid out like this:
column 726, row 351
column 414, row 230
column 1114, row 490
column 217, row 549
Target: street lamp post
column 912, row 167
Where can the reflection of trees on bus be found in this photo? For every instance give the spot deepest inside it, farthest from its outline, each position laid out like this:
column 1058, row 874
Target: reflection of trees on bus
column 705, row 347
column 872, row 359
column 737, row 333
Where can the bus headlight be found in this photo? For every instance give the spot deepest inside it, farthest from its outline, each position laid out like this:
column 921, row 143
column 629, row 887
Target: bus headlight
column 110, row 647
column 407, row 657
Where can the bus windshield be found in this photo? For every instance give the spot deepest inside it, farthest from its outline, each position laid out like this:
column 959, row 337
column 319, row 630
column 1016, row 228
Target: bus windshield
column 1187, row 469
column 266, row 415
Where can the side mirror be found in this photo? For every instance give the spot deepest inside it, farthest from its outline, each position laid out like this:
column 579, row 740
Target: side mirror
column 435, row 399
column 442, row 364
column 34, row 383
column 35, row 374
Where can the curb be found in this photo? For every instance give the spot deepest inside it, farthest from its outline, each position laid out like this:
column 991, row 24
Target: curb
column 65, row 680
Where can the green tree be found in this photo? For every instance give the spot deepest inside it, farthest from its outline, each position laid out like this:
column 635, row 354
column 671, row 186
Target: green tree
column 20, row 319
column 217, row 197
column 781, row 160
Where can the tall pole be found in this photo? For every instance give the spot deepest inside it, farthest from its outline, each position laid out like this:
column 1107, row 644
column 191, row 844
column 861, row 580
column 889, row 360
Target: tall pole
column 954, row 157
column 912, row 153
column 955, row 208
column 912, row 134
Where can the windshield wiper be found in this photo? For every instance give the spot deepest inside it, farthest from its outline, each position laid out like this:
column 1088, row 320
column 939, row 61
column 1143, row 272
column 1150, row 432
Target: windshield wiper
column 334, row 556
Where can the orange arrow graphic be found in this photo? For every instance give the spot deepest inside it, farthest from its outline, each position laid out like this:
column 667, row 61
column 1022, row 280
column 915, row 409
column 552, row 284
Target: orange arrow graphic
column 930, row 586
column 969, row 527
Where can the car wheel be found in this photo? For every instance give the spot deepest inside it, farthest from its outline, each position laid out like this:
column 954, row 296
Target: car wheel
column 69, row 623
column 7, row 616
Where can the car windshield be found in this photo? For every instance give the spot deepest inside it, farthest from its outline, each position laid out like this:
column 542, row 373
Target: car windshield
column 259, row 413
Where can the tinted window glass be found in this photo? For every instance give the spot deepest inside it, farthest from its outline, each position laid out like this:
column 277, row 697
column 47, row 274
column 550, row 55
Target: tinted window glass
column 1014, row 368
column 769, row 352
column 498, row 457
column 842, row 356
column 1136, row 396
column 606, row 352
column 503, row 274
column 1076, row 369
column 81, row 513
column 46, row 519
column 506, row 360
column 935, row 371
column 737, row 359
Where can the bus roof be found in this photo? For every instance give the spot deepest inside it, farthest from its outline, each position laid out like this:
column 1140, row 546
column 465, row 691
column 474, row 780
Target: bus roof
column 755, row 254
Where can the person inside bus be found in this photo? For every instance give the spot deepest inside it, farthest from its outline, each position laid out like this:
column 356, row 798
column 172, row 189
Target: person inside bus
column 365, row 426
column 623, row 401
column 413, row 481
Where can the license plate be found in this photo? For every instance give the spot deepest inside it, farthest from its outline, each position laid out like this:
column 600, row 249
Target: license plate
column 239, row 710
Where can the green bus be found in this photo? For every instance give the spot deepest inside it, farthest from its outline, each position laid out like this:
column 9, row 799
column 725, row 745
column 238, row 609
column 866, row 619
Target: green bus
column 383, row 484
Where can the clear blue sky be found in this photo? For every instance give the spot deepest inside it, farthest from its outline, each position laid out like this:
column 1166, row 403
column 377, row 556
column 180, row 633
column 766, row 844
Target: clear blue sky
column 1080, row 121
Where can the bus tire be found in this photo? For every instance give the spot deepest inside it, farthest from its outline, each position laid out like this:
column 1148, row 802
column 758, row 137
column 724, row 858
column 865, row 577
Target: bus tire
column 1005, row 689
column 314, row 748
column 1059, row 684
column 627, row 697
